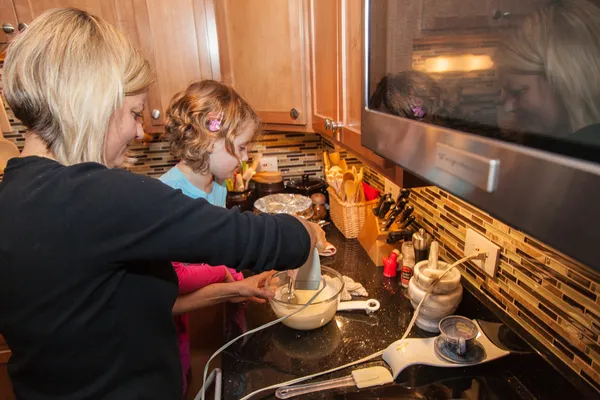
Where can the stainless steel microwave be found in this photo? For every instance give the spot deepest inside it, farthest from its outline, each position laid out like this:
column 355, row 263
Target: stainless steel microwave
column 495, row 101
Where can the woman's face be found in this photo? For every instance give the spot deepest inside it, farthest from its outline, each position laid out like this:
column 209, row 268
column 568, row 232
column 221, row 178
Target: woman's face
column 532, row 105
column 223, row 164
column 125, row 125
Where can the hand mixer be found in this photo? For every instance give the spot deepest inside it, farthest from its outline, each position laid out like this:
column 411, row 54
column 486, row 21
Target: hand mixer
column 307, row 277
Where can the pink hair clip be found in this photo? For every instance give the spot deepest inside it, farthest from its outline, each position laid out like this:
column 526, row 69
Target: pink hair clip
column 418, row 111
column 214, row 121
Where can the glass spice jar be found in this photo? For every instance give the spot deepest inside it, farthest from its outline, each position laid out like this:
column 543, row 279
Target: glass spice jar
column 318, row 201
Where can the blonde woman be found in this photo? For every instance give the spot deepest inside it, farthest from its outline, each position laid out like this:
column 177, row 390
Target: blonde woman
column 86, row 284
column 549, row 71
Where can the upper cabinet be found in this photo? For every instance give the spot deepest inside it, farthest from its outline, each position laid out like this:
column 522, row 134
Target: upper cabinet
column 179, row 40
column 263, row 55
column 325, row 66
column 337, row 73
column 9, row 22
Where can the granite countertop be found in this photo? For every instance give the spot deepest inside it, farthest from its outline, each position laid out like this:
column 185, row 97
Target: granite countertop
column 279, row 353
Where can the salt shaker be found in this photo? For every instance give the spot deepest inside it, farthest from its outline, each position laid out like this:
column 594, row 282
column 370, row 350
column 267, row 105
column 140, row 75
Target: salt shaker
column 318, row 201
column 408, row 263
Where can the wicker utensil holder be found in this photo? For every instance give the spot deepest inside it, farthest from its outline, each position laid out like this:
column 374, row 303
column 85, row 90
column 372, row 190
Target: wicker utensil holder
column 349, row 218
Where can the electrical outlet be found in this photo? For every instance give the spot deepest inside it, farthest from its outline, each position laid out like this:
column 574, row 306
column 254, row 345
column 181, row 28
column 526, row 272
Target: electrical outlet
column 476, row 242
column 391, row 187
column 268, row 164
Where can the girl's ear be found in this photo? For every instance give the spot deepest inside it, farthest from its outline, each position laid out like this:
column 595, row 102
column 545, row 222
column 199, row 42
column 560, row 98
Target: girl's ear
column 211, row 147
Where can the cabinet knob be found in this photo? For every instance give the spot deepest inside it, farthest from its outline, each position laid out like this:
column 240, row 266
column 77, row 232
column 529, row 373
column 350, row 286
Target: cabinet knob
column 497, row 15
column 506, row 15
column 155, row 114
column 8, row 28
column 22, row 26
column 294, row 113
column 332, row 125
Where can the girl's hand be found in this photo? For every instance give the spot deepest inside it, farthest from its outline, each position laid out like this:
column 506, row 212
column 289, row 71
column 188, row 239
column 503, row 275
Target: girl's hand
column 252, row 288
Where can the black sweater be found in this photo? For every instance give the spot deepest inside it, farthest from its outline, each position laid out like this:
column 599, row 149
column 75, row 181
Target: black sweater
column 86, row 287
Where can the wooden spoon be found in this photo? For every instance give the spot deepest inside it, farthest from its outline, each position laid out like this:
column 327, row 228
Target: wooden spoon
column 326, row 162
column 350, row 189
column 343, row 165
column 349, row 176
column 360, row 193
column 334, row 158
column 342, row 191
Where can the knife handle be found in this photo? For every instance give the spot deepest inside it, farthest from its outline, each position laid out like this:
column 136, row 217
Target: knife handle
column 404, row 194
column 407, row 211
column 407, row 222
column 392, row 217
column 397, row 236
column 385, row 208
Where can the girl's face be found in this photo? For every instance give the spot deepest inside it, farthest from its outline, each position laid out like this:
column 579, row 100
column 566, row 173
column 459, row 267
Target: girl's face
column 223, row 164
column 124, row 126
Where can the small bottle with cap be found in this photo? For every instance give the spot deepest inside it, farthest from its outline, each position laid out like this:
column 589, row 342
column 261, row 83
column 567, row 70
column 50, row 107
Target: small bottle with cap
column 408, row 263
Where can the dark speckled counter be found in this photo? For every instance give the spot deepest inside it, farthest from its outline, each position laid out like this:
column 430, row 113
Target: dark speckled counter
column 279, row 353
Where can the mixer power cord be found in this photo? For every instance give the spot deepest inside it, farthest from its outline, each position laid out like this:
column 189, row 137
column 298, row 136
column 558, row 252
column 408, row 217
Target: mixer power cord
column 350, row 364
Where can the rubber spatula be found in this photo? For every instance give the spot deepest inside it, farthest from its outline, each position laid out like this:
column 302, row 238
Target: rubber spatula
column 361, row 378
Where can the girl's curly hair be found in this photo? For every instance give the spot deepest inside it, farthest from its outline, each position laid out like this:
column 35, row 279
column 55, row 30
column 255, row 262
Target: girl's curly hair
column 188, row 128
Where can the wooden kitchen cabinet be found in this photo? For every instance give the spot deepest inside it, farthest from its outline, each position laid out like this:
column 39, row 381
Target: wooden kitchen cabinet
column 263, row 56
column 9, row 23
column 178, row 39
column 337, row 74
column 352, row 47
column 325, row 64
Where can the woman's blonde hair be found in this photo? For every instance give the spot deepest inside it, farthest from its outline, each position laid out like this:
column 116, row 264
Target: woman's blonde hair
column 204, row 112
column 66, row 76
column 561, row 42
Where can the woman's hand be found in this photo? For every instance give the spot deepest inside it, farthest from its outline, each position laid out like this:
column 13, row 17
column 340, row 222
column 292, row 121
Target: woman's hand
column 317, row 235
column 252, row 288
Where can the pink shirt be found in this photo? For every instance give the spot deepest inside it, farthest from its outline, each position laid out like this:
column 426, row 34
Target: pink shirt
column 191, row 278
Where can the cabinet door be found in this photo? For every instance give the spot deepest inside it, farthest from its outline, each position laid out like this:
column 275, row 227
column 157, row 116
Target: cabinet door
column 352, row 76
column 9, row 23
column 263, row 56
column 325, row 68
column 440, row 15
column 178, row 40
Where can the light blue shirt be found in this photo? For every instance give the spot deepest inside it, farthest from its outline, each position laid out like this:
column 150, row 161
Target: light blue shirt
column 177, row 180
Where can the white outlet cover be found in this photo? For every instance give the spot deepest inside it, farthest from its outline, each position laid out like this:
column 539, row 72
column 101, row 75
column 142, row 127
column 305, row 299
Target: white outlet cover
column 476, row 242
column 268, row 163
column 392, row 188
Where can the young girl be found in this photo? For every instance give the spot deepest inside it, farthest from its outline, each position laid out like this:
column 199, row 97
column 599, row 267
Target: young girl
column 209, row 127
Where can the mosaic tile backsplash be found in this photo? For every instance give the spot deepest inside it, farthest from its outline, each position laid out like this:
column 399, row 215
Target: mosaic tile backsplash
column 555, row 298
column 297, row 153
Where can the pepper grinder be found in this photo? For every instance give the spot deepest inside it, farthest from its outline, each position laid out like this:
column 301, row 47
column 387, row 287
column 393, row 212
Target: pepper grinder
column 421, row 242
